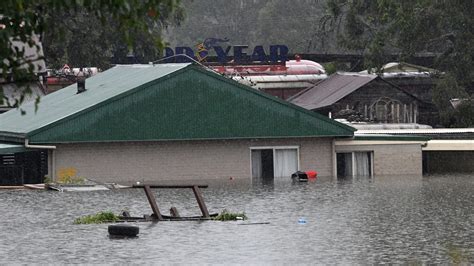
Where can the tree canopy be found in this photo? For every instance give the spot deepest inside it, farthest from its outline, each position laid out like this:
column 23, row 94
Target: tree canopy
column 379, row 29
column 84, row 33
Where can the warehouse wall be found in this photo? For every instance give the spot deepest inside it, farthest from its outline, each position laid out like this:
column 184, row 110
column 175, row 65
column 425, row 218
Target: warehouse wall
column 182, row 160
column 394, row 159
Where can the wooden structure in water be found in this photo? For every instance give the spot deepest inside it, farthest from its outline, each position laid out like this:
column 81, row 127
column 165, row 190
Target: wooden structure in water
column 158, row 216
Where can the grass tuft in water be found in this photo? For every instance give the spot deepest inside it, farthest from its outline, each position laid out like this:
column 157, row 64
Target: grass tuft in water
column 457, row 255
column 99, row 218
column 225, row 215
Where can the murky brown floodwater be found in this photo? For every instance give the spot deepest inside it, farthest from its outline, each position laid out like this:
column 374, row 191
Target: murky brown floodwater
column 383, row 220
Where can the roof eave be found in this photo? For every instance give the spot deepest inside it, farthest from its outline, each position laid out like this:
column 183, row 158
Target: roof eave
column 12, row 137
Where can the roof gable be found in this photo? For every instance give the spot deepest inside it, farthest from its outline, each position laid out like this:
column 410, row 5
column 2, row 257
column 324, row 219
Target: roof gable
column 338, row 86
column 190, row 103
column 331, row 90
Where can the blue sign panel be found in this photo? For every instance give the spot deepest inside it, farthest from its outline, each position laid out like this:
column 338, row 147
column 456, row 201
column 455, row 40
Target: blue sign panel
column 237, row 53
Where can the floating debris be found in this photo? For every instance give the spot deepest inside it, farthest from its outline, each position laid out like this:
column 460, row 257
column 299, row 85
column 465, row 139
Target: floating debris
column 99, row 218
column 228, row 216
column 301, row 220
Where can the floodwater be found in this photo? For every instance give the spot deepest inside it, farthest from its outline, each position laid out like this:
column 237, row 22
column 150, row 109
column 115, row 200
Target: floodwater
column 360, row 221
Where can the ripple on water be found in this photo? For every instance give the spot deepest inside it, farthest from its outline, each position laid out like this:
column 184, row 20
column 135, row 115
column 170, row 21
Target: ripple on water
column 380, row 220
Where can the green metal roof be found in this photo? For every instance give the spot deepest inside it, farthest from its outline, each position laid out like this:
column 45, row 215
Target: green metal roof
column 162, row 102
column 11, row 148
column 64, row 103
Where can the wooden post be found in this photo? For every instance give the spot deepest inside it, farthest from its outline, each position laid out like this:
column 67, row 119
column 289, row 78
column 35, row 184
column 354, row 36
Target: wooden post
column 152, row 201
column 392, row 111
column 404, row 113
column 415, row 113
column 200, row 200
column 398, row 113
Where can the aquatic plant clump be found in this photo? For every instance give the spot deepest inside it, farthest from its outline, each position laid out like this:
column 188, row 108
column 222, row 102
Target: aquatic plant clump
column 229, row 216
column 99, row 218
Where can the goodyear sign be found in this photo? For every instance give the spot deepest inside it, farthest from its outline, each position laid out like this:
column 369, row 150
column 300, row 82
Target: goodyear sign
column 237, row 53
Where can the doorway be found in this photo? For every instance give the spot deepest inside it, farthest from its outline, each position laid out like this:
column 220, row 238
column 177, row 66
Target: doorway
column 274, row 162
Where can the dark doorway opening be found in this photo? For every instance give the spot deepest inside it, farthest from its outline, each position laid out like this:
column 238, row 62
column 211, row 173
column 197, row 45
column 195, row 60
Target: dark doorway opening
column 23, row 168
column 344, row 165
column 267, row 165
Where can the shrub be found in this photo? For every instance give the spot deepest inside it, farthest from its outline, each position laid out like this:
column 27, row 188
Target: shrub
column 99, row 218
column 229, row 216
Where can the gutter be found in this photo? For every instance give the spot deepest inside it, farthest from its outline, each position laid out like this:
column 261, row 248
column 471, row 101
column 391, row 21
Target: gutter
column 46, row 147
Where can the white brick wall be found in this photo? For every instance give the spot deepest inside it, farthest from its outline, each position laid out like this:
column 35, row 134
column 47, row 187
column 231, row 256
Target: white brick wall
column 181, row 160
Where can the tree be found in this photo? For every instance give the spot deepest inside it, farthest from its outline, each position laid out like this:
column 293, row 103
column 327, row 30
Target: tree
column 379, row 29
column 104, row 27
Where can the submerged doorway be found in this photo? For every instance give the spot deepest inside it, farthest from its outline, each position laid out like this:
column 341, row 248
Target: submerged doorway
column 270, row 163
column 354, row 164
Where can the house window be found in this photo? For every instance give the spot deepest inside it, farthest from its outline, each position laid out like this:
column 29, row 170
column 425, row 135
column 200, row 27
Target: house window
column 270, row 163
column 355, row 164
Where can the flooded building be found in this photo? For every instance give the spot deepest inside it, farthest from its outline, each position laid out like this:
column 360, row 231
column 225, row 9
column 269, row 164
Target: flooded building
column 184, row 122
column 172, row 121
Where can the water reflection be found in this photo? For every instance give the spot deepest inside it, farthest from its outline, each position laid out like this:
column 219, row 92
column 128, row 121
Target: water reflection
column 348, row 221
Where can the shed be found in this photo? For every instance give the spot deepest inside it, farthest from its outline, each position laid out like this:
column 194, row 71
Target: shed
column 172, row 121
column 363, row 97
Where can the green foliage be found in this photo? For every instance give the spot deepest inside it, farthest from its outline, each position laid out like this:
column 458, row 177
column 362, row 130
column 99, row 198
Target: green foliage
column 84, row 33
column 464, row 114
column 446, row 89
column 229, row 216
column 380, row 29
column 99, row 218
column 330, row 68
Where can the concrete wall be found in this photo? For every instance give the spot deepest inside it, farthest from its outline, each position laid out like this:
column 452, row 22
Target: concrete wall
column 183, row 160
column 396, row 159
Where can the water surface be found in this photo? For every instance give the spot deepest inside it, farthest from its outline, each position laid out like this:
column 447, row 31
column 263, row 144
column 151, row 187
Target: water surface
column 362, row 221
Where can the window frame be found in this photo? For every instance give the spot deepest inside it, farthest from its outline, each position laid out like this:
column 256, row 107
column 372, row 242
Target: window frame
column 274, row 148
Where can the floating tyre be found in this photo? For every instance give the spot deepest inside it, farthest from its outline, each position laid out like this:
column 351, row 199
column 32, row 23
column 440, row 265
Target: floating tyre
column 123, row 230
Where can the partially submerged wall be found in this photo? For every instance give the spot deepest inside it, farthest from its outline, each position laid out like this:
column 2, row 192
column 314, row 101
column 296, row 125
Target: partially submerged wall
column 435, row 162
column 182, row 160
column 390, row 159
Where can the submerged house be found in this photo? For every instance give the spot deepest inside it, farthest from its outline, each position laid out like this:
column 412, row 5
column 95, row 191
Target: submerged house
column 364, row 98
column 171, row 121
column 184, row 122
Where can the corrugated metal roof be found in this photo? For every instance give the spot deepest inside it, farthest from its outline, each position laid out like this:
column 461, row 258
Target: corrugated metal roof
column 331, row 90
column 433, row 133
column 11, row 148
column 417, row 131
column 164, row 102
column 67, row 102
column 389, row 137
